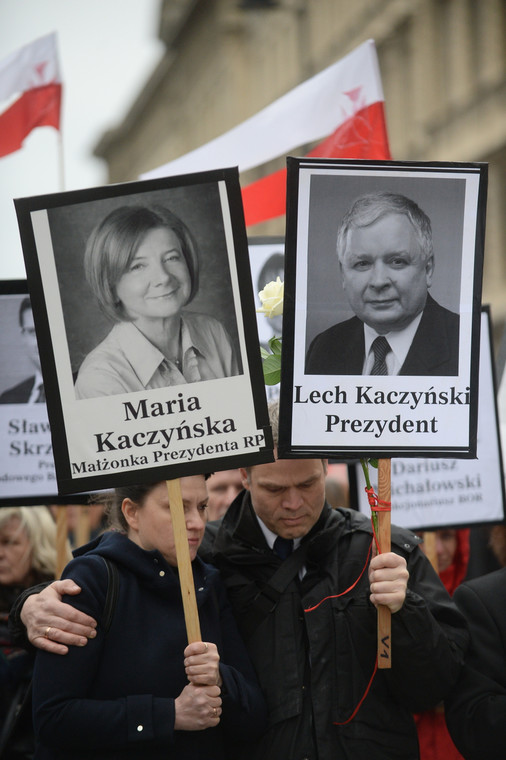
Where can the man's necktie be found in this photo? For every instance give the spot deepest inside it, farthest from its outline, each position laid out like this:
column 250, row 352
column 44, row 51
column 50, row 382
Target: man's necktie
column 381, row 347
column 41, row 396
column 283, row 547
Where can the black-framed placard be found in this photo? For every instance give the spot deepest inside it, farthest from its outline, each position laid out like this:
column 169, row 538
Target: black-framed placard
column 501, row 392
column 144, row 313
column 267, row 262
column 383, row 276
column 428, row 494
column 27, row 471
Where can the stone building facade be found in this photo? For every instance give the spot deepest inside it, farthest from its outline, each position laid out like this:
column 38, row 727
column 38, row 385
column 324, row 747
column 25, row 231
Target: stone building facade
column 443, row 69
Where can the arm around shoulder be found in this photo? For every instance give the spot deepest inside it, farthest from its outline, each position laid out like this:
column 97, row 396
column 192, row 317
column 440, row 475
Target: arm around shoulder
column 40, row 617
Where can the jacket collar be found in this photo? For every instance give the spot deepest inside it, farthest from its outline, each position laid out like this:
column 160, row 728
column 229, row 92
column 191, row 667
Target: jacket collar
column 240, row 530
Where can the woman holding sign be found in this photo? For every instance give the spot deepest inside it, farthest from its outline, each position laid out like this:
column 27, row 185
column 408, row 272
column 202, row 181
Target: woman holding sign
column 142, row 265
column 137, row 688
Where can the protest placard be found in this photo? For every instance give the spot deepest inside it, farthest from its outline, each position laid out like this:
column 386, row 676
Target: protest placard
column 385, row 250
column 146, row 325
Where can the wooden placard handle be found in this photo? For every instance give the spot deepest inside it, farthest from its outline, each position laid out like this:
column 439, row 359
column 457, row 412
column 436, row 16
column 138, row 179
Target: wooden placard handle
column 83, row 528
column 429, row 547
column 384, row 540
column 61, row 539
column 184, row 565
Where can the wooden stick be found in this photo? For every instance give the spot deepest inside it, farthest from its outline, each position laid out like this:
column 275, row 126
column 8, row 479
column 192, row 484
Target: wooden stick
column 83, row 528
column 384, row 523
column 184, row 565
column 61, row 539
column 429, row 547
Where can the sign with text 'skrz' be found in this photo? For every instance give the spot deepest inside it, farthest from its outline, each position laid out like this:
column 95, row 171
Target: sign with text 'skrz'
column 27, row 471
column 381, row 322
column 146, row 326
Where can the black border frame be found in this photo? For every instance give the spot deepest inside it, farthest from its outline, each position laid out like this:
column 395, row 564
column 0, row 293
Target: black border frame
column 286, row 449
column 20, row 288
column 24, row 208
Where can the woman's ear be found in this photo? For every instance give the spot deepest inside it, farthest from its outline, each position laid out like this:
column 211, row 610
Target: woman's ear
column 130, row 512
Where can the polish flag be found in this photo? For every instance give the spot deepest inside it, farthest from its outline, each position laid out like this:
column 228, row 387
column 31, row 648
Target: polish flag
column 32, row 76
column 342, row 106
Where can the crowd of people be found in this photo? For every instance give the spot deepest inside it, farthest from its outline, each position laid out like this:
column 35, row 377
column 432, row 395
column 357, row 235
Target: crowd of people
column 287, row 587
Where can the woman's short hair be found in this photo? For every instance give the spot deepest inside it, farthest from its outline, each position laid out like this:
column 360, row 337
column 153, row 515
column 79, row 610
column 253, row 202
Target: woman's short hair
column 40, row 528
column 113, row 243
column 369, row 208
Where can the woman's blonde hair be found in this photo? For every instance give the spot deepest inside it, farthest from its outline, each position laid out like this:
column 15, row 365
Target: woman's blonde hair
column 40, row 527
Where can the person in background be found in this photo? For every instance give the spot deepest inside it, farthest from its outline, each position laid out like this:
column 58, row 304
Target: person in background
column 142, row 266
column 452, row 551
column 482, row 558
column 498, row 543
column 222, row 488
column 27, row 557
column 138, row 688
column 337, row 485
column 476, row 707
column 335, row 492
column 84, row 522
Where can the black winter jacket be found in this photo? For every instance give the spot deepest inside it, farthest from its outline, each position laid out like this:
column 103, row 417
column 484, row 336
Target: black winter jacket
column 314, row 665
column 114, row 698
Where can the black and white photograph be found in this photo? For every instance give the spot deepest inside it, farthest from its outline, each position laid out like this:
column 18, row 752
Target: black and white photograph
column 145, row 310
column 384, row 261
column 27, row 470
column 267, row 261
column 20, row 354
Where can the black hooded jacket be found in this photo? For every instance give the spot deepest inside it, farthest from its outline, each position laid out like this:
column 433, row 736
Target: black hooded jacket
column 314, row 644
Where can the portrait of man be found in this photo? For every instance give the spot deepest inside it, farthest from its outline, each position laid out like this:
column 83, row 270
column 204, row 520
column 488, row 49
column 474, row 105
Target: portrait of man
column 386, row 259
column 31, row 389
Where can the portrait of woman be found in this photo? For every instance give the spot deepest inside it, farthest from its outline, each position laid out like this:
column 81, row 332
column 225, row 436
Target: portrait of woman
column 138, row 689
column 141, row 263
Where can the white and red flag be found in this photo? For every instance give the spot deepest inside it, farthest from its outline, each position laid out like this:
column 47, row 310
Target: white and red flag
column 342, row 106
column 31, row 78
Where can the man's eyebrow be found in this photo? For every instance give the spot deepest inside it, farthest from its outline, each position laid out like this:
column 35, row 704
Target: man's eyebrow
column 277, row 484
column 308, row 481
column 270, row 484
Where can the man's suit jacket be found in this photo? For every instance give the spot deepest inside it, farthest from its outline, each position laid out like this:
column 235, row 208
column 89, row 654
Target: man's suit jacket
column 340, row 350
column 19, row 394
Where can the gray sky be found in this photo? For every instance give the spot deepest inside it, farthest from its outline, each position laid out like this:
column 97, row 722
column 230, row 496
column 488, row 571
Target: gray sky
column 107, row 49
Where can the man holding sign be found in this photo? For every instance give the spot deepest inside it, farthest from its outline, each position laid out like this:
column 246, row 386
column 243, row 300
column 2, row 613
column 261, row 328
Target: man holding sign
column 306, row 607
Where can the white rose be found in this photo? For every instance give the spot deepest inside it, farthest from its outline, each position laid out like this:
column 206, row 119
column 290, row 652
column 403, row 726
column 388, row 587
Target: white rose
column 272, row 298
